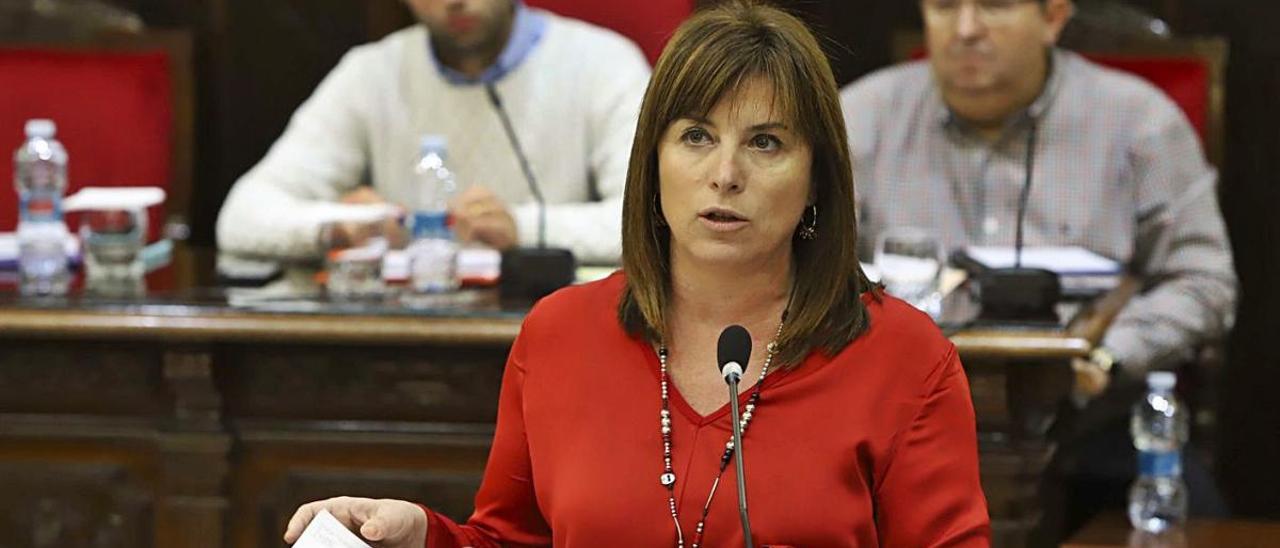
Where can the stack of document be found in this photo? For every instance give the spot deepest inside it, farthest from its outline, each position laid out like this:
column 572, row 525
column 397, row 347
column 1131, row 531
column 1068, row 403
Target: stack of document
column 1082, row 272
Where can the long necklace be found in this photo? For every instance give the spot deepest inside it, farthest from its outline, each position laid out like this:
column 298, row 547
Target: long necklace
column 668, row 478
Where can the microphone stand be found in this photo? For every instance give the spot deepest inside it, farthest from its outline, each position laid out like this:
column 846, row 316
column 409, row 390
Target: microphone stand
column 530, row 273
column 1019, row 294
column 732, row 380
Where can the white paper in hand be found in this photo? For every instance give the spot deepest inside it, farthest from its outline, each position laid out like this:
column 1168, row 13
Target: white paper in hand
column 325, row 531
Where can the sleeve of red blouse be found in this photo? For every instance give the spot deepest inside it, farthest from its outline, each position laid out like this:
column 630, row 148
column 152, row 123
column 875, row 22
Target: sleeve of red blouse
column 930, row 494
column 506, row 509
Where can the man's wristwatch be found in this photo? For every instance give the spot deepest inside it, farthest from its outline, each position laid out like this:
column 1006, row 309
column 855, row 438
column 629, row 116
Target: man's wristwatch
column 1092, row 376
column 1102, row 358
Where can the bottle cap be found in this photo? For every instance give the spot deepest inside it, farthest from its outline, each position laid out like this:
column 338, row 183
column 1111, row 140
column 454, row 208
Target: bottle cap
column 1162, row 380
column 42, row 128
column 434, row 143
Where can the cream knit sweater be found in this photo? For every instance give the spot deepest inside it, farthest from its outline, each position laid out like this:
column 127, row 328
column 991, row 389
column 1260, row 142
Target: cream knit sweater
column 573, row 102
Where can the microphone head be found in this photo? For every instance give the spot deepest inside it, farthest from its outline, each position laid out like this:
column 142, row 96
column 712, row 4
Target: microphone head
column 734, row 348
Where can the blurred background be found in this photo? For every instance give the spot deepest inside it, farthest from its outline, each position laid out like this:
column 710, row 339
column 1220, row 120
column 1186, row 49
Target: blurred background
column 256, row 61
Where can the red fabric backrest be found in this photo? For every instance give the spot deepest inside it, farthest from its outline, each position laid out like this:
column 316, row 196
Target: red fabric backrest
column 114, row 112
column 649, row 23
column 1183, row 79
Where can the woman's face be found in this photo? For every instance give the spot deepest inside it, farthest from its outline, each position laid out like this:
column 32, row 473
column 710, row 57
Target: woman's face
column 734, row 185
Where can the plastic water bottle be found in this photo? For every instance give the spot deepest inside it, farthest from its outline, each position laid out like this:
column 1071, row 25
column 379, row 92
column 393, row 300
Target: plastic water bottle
column 434, row 251
column 1158, row 498
column 40, row 177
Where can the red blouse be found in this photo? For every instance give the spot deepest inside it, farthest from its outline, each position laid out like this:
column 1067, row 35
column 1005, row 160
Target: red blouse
column 876, row 446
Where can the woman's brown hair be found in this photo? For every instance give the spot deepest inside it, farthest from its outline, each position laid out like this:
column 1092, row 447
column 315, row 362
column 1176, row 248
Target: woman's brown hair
column 710, row 55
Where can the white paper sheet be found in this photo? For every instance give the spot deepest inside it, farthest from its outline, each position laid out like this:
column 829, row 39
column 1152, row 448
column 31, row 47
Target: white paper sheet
column 325, row 531
column 107, row 198
column 1066, row 261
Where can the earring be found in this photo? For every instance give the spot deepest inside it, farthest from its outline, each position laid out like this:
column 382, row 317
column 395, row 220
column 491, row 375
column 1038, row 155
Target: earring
column 809, row 231
column 657, row 213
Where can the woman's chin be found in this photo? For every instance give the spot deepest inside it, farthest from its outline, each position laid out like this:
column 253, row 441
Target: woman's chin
column 726, row 253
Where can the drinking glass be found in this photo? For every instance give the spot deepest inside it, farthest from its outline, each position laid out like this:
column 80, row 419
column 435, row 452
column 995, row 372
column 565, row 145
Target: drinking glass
column 910, row 261
column 354, row 272
column 113, row 241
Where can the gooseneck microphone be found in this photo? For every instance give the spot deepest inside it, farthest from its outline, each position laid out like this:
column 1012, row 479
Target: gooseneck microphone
column 534, row 189
column 1020, row 293
column 530, row 273
column 1029, row 167
column 733, row 353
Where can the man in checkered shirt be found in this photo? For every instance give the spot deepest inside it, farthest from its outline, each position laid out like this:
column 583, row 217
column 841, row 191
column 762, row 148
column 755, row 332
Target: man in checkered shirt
column 944, row 145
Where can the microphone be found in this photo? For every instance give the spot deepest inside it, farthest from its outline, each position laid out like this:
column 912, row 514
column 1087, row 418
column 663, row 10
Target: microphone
column 1020, row 293
column 524, row 162
column 530, row 273
column 733, row 353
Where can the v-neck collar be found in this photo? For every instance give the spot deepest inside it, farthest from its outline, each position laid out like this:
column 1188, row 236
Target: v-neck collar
column 775, row 378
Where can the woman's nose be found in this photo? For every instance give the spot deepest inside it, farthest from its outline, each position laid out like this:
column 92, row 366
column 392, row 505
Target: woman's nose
column 728, row 176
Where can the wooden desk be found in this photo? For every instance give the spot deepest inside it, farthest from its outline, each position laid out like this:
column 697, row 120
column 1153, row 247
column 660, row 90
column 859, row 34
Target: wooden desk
column 185, row 422
column 1113, row 531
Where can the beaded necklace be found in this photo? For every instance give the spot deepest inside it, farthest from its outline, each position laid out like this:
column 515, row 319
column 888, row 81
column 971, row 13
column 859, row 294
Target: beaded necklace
column 668, row 477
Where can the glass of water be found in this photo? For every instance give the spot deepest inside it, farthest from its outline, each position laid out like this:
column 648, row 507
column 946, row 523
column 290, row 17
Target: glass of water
column 354, row 271
column 113, row 241
column 910, row 261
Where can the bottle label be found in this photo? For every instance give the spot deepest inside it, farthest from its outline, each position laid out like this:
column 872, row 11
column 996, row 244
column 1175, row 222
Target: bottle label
column 1158, row 463
column 432, row 224
column 38, row 206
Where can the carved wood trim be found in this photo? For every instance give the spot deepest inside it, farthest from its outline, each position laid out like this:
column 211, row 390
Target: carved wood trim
column 197, row 405
column 194, row 455
column 54, row 504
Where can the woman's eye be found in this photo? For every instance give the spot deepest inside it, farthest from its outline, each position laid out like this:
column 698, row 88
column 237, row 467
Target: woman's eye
column 696, row 136
column 765, row 142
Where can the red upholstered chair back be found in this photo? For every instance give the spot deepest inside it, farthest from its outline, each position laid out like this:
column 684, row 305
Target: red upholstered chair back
column 113, row 111
column 1183, row 79
column 648, row 23
column 124, row 109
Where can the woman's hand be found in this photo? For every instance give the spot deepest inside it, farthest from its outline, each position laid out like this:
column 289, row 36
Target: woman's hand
column 386, row 523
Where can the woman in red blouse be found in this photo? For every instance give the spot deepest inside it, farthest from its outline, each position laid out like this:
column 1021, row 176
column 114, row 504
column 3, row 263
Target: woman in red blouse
column 612, row 420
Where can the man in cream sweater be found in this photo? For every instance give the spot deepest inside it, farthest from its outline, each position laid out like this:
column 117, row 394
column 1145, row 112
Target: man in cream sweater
column 572, row 90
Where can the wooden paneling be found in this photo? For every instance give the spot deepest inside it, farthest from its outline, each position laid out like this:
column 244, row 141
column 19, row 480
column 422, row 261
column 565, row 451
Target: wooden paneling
column 225, row 420
column 213, row 442
column 51, row 504
column 418, row 384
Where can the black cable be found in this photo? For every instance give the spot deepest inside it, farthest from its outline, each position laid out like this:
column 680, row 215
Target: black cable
column 1030, row 164
column 524, row 162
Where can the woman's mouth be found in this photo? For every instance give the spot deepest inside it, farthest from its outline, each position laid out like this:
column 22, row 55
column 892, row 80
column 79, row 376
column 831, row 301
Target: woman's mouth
column 722, row 220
